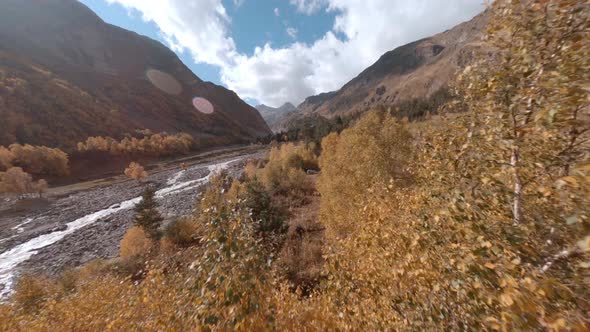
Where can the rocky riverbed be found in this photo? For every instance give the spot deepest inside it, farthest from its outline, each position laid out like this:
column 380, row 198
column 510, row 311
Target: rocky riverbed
column 67, row 230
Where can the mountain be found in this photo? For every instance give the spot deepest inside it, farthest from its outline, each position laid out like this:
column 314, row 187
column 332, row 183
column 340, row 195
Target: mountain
column 271, row 114
column 416, row 70
column 65, row 75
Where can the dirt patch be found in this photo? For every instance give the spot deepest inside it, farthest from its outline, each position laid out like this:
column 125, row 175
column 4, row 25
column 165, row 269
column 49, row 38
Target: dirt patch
column 301, row 255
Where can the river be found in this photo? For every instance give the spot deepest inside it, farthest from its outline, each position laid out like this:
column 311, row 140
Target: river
column 49, row 242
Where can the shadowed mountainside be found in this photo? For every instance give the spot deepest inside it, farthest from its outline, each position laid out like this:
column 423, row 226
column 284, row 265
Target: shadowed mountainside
column 65, row 75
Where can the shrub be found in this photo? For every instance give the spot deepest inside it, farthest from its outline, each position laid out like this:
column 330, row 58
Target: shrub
column 183, row 232
column 96, row 268
column 250, row 170
column 301, row 254
column 214, row 200
column 6, row 158
column 31, row 291
column 68, row 280
column 135, row 243
column 268, row 217
column 284, row 173
column 136, row 171
column 40, row 187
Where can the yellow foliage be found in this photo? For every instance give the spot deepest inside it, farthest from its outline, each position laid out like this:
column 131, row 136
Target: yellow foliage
column 34, row 159
column 285, row 171
column 135, row 243
column 161, row 144
column 135, row 171
column 421, row 233
column 373, row 153
column 31, row 291
column 183, row 232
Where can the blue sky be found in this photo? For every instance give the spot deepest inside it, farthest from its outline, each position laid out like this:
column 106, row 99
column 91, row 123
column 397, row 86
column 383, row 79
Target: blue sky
column 277, row 51
column 253, row 23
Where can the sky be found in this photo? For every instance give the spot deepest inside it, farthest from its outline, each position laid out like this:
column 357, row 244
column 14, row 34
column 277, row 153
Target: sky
column 277, row 51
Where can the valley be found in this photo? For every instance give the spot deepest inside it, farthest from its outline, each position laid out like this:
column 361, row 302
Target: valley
column 75, row 224
column 434, row 175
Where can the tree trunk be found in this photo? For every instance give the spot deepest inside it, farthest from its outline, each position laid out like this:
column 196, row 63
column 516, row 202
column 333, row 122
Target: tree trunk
column 517, row 192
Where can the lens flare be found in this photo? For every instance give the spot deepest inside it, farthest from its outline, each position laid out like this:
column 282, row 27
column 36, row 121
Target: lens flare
column 164, row 81
column 203, row 105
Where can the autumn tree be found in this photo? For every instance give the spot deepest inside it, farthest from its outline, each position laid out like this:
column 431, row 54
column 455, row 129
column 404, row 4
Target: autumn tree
column 40, row 187
column 160, row 144
column 35, row 159
column 17, row 181
column 537, row 86
column 135, row 243
column 381, row 148
column 147, row 215
column 6, row 158
column 136, row 171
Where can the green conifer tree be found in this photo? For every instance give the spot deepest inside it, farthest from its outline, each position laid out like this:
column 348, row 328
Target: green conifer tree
column 147, row 215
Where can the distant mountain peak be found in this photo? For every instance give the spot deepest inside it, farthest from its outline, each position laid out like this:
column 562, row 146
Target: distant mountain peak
column 272, row 114
column 415, row 70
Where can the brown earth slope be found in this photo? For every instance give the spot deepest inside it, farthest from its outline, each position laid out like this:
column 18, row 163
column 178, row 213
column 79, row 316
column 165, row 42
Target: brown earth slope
column 65, row 74
column 415, row 70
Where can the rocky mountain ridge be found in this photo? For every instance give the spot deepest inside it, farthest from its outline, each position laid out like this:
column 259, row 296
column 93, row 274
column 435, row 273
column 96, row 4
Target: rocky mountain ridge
column 415, row 70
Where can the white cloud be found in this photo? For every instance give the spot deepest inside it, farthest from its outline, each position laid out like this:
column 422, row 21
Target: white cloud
column 277, row 12
column 276, row 75
column 199, row 26
column 308, row 6
column 292, row 32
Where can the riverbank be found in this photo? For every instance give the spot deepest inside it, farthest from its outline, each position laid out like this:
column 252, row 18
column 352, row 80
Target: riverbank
column 78, row 223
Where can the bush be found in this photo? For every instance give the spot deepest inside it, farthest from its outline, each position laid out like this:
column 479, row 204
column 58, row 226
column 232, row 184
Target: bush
column 184, row 232
column 135, row 243
column 268, row 216
column 68, row 280
column 284, row 173
column 31, row 291
column 373, row 153
column 16, row 181
column 35, row 159
column 301, row 254
column 135, row 171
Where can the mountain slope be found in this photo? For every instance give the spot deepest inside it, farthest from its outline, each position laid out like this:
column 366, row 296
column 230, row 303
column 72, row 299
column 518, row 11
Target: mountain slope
column 271, row 114
column 65, row 74
column 414, row 70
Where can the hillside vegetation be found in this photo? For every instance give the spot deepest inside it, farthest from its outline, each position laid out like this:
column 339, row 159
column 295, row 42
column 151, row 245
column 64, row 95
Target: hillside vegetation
column 65, row 75
column 474, row 220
